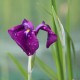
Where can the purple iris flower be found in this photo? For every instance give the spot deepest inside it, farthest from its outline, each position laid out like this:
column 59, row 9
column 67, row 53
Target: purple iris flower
column 26, row 37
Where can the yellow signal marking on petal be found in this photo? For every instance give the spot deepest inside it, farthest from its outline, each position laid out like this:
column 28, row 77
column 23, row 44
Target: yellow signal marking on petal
column 27, row 30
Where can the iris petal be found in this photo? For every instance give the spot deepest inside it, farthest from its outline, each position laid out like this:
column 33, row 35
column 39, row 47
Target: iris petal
column 14, row 30
column 27, row 24
column 52, row 37
column 28, row 42
column 32, row 43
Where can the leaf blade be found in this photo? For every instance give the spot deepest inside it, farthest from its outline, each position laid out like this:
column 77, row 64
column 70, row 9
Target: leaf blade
column 46, row 69
column 22, row 70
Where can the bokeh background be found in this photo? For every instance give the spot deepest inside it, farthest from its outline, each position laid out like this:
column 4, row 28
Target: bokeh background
column 12, row 12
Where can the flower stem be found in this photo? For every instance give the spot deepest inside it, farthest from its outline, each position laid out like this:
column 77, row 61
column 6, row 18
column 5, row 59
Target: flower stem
column 29, row 76
column 29, row 67
column 31, row 60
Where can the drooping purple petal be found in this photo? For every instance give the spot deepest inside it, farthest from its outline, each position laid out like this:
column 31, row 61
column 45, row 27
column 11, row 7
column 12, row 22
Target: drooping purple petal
column 52, row 37
column 14, row 30
column 26, row 40
column 32, row 43
column 27, row 24
column 29, row 43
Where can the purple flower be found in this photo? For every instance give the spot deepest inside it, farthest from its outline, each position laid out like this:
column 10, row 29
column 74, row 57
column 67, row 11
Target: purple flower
column 26, row 37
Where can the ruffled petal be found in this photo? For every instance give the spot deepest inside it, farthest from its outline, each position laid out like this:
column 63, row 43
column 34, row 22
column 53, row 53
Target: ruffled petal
column 12, row 31
column 27, row 24
column 27, row 41
column 52, row 37
column 32, row 43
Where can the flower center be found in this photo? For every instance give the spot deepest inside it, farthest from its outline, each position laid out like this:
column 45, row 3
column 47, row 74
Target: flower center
column 27, row 30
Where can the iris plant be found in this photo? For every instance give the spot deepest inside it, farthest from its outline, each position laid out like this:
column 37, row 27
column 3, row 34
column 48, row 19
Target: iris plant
column 26, row 36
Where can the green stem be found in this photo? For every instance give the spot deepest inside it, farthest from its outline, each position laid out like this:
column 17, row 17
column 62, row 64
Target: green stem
column 29, row 67
column 29, row 76
column 31, row 60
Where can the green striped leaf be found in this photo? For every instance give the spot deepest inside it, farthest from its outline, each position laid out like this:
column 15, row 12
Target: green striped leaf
column 50, row 72
column 22, row 70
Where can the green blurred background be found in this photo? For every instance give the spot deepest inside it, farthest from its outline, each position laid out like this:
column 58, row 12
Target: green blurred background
column 12, row 12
